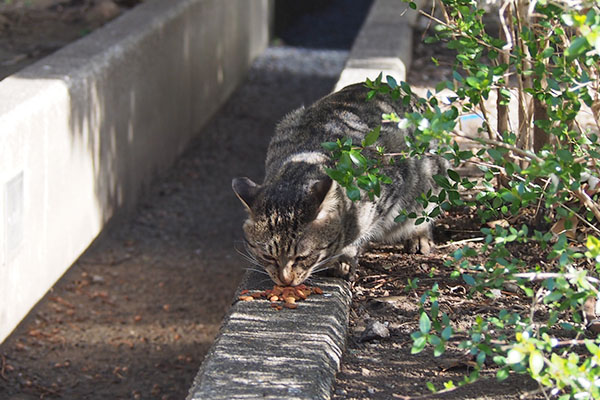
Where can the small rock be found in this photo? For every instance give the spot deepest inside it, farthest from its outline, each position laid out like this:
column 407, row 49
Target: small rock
column 102, row 12
column 375, row 330
column 97, row 279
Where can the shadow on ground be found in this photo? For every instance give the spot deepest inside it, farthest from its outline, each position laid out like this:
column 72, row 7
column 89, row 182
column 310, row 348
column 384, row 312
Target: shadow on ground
column 134, row 317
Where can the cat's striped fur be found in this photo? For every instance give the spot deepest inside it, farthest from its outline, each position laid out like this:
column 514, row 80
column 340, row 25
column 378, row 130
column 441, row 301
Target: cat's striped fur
column 300, row 221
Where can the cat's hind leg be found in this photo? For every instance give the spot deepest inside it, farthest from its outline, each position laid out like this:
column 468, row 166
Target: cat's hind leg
column 421, row 243
column 416, row 238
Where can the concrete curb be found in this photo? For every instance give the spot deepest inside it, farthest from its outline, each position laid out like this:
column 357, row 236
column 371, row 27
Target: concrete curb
column 277, row 354
column 85, row 130
column 261, row 353
column 383, row 45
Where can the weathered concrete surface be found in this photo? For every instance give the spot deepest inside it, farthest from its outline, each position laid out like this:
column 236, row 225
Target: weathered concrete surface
column 294, row 354
column 269, row 354
column 83, row 131
column 384, row 44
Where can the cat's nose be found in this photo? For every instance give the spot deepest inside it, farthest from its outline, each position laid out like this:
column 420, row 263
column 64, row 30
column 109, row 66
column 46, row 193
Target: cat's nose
column 287, row 275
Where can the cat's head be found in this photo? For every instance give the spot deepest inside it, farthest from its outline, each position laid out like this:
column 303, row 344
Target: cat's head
column 291, row 232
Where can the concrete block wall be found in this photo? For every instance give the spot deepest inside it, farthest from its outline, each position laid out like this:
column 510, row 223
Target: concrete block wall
column 85, row 129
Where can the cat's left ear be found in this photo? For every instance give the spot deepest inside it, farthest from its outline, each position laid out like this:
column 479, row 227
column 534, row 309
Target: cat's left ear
column 245, row 189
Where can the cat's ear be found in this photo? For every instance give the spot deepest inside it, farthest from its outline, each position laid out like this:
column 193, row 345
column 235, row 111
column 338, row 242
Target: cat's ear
column 323, row 192
column 245, row 190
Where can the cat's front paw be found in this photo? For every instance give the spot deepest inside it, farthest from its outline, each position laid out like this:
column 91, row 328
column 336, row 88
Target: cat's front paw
column 419, row 244
column 346, row 268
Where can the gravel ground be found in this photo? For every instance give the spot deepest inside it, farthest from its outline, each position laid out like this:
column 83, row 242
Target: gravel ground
column 134, row 317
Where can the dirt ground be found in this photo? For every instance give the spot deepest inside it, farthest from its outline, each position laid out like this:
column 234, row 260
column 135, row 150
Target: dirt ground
column 376, row 367
column 134, row 317
column 32, row 29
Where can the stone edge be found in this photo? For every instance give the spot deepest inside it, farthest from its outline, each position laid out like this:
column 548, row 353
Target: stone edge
column 376, row 50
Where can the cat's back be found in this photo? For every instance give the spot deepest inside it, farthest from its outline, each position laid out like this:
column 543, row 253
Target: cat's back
column 346, row 113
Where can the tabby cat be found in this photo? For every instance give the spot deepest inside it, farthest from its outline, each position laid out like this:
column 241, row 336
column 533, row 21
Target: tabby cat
column 300, row 221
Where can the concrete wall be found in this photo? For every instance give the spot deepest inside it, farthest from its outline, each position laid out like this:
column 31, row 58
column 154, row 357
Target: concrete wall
column 84, row 130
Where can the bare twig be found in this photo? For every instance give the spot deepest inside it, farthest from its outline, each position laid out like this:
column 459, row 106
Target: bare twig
column 459, row 242
column 540, row 276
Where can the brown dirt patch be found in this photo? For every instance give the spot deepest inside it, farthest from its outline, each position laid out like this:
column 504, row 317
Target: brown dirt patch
column 33, row 29
column 383, row 367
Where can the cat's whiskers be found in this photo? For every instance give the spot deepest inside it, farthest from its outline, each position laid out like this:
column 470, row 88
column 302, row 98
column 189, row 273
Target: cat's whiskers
column 248, row 256
column 253, row 268
column 322, row 265
column 265, row 280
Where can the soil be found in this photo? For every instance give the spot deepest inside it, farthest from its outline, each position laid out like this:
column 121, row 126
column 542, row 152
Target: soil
column 135, row 315
column 378, row 363
column 33, row 29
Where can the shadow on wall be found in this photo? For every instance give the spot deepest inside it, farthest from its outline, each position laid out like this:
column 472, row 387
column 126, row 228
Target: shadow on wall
column 134, row 107
column 90, row 126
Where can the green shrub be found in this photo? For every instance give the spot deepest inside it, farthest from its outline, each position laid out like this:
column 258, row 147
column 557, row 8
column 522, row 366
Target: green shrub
column 544, row 62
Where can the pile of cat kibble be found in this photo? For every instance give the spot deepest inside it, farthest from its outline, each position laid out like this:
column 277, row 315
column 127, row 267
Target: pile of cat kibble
column 282, row 296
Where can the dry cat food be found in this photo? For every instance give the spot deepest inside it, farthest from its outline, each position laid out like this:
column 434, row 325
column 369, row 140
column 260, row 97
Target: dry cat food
column 282, row 296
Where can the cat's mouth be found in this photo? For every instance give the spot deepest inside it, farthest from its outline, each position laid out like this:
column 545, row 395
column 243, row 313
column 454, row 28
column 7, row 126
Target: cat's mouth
column 285, row 278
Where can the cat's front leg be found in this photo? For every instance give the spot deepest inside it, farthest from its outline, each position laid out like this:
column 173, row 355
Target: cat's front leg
column 346, row 264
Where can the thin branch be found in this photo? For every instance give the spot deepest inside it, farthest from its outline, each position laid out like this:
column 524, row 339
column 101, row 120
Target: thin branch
column 540, row 276
column 459, row 242
column 585, row 221
column 524, row 153
column 587, row 201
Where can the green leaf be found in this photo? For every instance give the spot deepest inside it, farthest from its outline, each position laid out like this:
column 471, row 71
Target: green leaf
column 353, row 193
column 536, row 362
column 547, row 52
column 439, row 349
column 371, row 137
column 424, row 323
column 457, row 76
column 565, row 155
column 391, row 82
column 453, row 175
column 336, row 175
column 514, row 356
column 431, row 387
column 473, row 82
column 577, row 47
column 469, row 280
column 330, row 146
column 495, row 154
column 357, row 158
column 502, row 374
column 447, row 333
column 344, row 163
column 418, row 345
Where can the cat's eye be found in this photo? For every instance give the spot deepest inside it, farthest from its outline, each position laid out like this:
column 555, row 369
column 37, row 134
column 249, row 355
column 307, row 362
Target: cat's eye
column 301, row 258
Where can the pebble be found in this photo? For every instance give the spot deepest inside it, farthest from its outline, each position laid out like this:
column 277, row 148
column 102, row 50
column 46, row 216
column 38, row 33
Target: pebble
column 375, row 330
